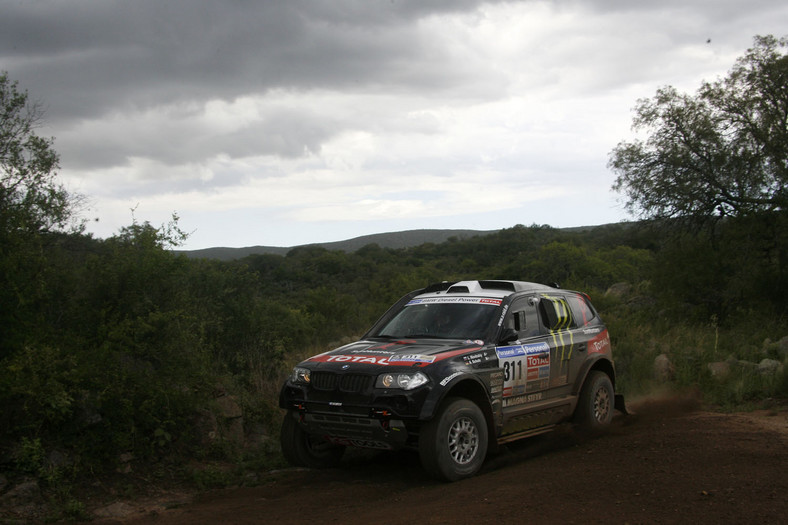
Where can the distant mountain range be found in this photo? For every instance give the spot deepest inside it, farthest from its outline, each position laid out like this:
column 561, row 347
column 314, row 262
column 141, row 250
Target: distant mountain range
column 404, row 239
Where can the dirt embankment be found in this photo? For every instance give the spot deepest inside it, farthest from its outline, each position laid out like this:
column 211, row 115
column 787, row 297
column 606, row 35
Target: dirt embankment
column 669, row 463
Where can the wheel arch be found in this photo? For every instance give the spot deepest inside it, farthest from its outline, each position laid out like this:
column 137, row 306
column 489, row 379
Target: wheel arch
column 471, row 388
column 603, row 365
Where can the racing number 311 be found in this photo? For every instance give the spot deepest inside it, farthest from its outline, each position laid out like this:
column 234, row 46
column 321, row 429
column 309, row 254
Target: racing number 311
column 512, row 370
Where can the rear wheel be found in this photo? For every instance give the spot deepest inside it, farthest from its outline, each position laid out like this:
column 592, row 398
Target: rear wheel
column 453, row 444
column 305, row 450
column 595, row 407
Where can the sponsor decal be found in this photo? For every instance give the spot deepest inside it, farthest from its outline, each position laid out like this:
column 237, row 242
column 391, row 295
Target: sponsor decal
column 600, row 344
column 363, row 359
column 388, row 358
column 446, row 380
column 496, row 382
column 465, row 300
column 476, row 358
column 503, row 315
column 520, row 400
column 522, row 350
column 477, row 342
column 412, row 358
column 526, row 368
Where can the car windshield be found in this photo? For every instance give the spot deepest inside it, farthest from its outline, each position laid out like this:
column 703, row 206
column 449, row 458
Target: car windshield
column 442, row 320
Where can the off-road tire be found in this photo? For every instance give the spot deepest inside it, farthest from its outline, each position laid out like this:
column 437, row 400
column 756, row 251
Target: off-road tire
column 304, row 450
column 596, row 405
column 453, row 444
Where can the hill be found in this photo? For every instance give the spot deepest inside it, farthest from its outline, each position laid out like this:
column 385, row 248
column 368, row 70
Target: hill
column 403, row 239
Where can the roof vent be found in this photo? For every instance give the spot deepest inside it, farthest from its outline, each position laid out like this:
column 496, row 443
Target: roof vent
column 458, row 289
column 497, row 285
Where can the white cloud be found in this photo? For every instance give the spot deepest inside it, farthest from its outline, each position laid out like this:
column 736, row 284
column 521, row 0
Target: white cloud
column 347, row 117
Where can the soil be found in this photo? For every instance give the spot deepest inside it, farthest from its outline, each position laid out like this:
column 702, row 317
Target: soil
column 670, row 462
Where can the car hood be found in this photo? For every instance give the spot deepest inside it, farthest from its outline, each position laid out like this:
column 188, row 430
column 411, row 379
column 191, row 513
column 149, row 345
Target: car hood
column 400, row 352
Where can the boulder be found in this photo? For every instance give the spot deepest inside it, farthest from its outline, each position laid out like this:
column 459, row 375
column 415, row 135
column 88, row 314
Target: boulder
column 25, row 501
column 769, row 367
column 719, row 369
column 663, row 368
column 619, row 290
column 228, row 407
column 782, row 346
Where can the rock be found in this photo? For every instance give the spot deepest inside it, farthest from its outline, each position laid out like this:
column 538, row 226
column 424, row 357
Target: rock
column 618, row 290
column 228, row 407
column 719, row 369
column 60, row 459
column 782, row 346
column 256, row 435
column 25, row 501
column 235, row 431
column 206, row 426
column 769, row 367
column 663, row 368
column 24, row 494
column 124, row 463
column 232, row 416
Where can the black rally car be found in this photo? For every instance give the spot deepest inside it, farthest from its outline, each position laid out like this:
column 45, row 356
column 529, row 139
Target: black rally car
column 453, row 370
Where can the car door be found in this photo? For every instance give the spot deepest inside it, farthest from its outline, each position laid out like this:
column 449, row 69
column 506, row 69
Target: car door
column 557, row 324
column 526, row 362
column 570, row 323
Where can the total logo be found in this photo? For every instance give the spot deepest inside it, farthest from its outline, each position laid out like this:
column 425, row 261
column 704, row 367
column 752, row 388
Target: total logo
column 367, row 359
column 599, row 347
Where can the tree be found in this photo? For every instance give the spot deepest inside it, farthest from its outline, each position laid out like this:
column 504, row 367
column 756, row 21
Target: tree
column 722, row 152
column 32, row 204
column 31, row 200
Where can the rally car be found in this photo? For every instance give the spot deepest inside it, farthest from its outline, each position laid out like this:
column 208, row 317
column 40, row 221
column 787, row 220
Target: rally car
column 452, row 371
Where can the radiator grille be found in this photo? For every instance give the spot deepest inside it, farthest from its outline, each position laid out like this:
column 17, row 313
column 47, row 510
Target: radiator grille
column 355, row 383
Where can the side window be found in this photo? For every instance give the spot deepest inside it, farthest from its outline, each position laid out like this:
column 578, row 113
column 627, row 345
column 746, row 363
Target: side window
column 522, row 318
column 555, row 313
column 582, row 310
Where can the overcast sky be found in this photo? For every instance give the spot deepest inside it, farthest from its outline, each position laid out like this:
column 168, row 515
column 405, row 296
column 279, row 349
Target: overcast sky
column 290, row 122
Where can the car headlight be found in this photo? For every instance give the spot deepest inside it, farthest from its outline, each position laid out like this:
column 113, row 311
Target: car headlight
column 300, row 375
column 405, row 381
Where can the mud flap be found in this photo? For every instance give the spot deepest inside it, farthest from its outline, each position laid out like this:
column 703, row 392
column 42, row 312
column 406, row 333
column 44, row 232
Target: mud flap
column 620, row 405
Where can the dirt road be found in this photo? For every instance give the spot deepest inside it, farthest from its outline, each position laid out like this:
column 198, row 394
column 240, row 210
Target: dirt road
column 670, row 463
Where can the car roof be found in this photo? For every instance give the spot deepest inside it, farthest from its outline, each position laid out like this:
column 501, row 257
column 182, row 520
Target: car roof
column 484, row 288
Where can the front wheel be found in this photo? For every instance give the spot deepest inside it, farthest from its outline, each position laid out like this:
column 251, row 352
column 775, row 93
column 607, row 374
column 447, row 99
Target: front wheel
column 595, row 407
column 305, row 450
column 453, row 444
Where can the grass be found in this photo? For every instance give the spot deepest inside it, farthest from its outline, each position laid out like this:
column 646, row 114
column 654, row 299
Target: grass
column 690, row 349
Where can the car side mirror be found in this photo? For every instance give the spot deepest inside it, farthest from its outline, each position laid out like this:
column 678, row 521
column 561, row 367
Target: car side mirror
column 508, row 335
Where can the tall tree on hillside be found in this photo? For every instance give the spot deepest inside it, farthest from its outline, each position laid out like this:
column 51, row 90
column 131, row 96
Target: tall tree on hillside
column 722, row 153
column 31, row 199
